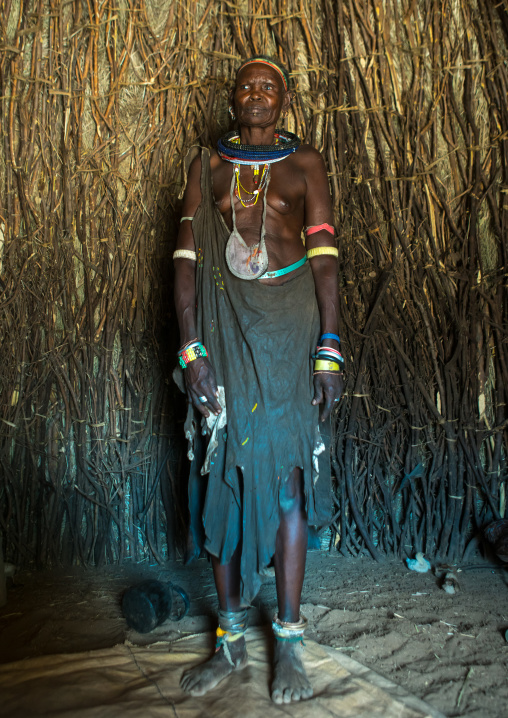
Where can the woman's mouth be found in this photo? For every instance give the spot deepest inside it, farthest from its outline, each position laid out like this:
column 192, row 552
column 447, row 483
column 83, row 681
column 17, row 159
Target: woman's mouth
column 255, row 109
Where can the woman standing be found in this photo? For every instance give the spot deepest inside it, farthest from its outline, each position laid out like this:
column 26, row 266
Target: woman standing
column 261, row 360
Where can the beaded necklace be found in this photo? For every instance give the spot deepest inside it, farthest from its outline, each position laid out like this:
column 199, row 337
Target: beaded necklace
column 230, row 149
column 251, row 261
column 251, row 201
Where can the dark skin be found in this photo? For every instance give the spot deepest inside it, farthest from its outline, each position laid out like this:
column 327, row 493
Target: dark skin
column 298, row 195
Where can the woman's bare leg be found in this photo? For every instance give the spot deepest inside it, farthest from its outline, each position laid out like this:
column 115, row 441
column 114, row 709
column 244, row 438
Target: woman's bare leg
column 199, row 680
column 227, row 581
column 290, row 680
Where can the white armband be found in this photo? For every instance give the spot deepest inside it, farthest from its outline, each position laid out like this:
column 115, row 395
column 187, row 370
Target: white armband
column 184, row 254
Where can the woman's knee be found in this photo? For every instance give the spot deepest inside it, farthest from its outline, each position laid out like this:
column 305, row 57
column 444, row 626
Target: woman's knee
column 291, row 496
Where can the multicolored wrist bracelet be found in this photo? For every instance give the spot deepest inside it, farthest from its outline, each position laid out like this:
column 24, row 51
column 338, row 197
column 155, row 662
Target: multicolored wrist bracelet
column 187, row 345
column 195, row 351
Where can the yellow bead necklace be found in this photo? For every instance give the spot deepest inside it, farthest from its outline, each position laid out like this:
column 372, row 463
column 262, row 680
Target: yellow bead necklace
column 250, row 201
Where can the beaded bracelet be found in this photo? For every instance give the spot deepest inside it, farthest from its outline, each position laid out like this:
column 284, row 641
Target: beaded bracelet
column 194, row 345
column 188, row 344
column 196, row 351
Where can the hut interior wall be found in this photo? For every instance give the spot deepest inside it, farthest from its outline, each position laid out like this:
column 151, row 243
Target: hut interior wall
column 99, row 103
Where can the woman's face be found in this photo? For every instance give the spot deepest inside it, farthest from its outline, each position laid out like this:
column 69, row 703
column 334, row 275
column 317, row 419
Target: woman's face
column 259, row 96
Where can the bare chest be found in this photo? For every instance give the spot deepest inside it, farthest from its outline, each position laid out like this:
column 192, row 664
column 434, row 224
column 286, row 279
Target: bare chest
column 285, row 189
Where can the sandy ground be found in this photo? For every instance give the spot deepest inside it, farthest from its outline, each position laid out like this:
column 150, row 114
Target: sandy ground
column 449, row 650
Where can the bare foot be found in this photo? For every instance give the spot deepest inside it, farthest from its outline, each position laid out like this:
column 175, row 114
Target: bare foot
column 290, row 681
column 199, row 680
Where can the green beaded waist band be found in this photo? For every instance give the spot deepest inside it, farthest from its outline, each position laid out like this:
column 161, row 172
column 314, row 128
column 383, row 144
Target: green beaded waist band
column 286, row 270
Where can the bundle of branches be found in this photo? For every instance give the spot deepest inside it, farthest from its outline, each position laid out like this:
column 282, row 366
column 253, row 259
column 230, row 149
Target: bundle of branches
column 100, row 102
column 421, row 181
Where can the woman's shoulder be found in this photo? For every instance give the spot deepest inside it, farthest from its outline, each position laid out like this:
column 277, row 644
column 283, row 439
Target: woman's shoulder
column 199, row 155
column 308, row 153
column 196, row 162
column 308, row 158
column 215, row 160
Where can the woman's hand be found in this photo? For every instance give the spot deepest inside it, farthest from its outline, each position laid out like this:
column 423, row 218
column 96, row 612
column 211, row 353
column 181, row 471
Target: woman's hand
column 328, row 388
column 201, row 384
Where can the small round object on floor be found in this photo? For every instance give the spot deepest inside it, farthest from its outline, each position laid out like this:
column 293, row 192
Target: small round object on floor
column 146, row 605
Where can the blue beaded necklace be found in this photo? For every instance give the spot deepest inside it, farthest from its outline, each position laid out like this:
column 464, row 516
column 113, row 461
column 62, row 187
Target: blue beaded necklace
column 230, row 149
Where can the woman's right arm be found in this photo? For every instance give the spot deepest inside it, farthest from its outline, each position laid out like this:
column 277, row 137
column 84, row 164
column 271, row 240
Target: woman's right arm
column 199, row 374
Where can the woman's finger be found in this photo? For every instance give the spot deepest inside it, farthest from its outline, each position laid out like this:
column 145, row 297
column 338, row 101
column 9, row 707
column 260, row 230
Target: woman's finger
column 332, row 390
column 216, row 407
column 327, row 406
column 200, row 401
column 214, row 397
column 318, row 391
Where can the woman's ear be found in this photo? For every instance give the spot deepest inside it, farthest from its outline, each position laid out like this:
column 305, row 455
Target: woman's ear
column 231, row 108
column 287, row 101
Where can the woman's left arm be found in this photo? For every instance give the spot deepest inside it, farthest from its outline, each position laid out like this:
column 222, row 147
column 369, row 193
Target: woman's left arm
column 328, row 386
